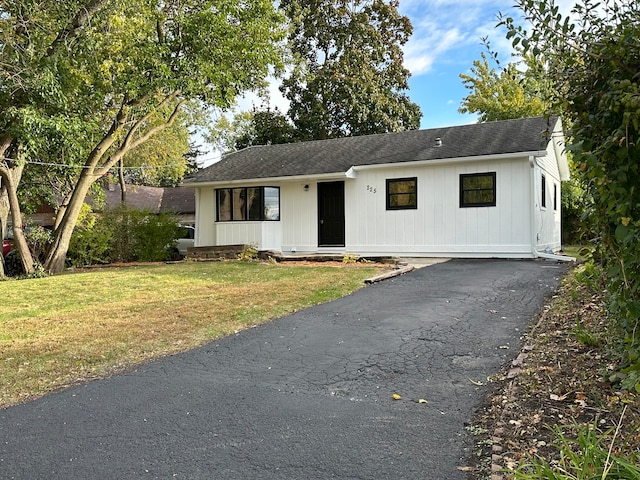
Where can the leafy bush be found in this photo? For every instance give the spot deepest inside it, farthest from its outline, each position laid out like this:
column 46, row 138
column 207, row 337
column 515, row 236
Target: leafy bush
column 123, row 235
column 13, row 264
column 249, row 253
column 155, row 236
column 90, row 242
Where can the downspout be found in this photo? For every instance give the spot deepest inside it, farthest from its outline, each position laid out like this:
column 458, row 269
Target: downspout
column 534, row 232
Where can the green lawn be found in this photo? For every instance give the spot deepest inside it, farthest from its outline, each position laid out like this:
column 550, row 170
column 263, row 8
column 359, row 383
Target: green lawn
column 60, row 330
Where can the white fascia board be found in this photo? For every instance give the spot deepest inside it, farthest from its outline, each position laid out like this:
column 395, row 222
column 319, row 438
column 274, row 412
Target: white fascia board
column 267, row 180
column 353, row 171
column 448, row 161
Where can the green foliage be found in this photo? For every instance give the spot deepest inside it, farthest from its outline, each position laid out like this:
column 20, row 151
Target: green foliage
column 91, row 240
column 268, row 127
column 154, row 237
column 587, row 457
column 349, row 78
column 13, row 264
column 38, row 238
column 258, row 127
column 84, row 84
column 123, row 235
column 595, row 68
column 511, row 93
column 249, row 253
column 586, row 336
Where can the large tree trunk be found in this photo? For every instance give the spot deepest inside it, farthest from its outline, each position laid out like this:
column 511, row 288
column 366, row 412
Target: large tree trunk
column 96, row 167
column 57, row 255
column 10, row 180
column 4, row 216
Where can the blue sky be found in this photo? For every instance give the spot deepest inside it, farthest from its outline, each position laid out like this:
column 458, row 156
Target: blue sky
column 446, row 40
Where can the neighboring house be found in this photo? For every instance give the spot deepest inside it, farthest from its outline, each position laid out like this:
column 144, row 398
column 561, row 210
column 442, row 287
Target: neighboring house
column 179, row 200
column 182, row 202
column 482, row 190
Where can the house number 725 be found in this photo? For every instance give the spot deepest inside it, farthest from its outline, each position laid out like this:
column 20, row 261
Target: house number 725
column 371, row 189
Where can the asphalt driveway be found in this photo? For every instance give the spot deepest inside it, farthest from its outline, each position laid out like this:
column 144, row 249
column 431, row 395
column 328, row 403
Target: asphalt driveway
column 308, row 396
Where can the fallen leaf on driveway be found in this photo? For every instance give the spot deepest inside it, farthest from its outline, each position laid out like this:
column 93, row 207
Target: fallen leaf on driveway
column 422, row 400
column 395, row 396
column 559, row 398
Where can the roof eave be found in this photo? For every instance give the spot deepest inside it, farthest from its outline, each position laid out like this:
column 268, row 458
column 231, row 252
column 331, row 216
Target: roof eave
column 445, row 161
column 352, row 172
column 263, row 180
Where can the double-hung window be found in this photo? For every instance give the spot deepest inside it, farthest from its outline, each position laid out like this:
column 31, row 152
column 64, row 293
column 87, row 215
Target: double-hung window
column 248, row 204
column 478, row 189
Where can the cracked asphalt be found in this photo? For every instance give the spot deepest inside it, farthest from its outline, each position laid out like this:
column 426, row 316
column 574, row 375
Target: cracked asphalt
column 307, row 396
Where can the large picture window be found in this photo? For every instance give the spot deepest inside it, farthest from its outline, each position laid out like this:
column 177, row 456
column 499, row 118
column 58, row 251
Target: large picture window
column 248, row 203
column 402, row 193
column 478, row 189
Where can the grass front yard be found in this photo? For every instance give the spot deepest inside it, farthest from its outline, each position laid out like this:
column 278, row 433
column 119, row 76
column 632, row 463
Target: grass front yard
column 61, row 330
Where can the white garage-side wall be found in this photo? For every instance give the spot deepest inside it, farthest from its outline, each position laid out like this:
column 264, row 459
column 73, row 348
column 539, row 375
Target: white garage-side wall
column 547, row 217
column 439, row 227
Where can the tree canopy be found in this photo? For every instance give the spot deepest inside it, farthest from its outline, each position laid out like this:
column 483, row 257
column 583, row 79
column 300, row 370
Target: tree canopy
column 86, row 82
column 348, row 77
column 515, row 91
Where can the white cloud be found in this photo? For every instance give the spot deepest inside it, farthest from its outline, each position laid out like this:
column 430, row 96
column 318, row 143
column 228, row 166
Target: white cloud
column 441, row 28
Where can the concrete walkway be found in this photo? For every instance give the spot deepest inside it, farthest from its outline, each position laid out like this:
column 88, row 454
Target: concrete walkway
column 308, row 396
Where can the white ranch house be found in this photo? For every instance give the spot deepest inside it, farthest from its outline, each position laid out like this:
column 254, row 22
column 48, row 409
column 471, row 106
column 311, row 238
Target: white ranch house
column 482, row 190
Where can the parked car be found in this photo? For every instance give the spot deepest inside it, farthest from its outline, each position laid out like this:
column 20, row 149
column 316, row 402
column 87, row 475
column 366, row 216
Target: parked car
column 7, row 246
column 186, row 239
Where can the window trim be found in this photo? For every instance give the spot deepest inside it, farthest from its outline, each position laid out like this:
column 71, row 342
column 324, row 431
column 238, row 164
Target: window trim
column 543, row 190
column 413, row 206
column 245, row 208
column 462, row 190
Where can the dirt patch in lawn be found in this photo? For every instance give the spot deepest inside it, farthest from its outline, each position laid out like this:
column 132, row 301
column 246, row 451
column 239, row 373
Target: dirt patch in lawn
column 560, row 378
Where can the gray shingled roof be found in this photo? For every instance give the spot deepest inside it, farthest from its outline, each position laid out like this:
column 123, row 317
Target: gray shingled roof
column 178, row 200
column 338, row 155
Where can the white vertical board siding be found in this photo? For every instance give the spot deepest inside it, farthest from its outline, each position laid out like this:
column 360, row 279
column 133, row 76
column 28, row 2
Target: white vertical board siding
column 266, row 235
column 299, row 215
column 205, row 217
column 439, row 226
column 237, row 233
column 271, row 236
column 548, row 220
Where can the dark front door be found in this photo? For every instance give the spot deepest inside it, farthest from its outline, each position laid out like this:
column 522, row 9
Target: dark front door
column 331, row 214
